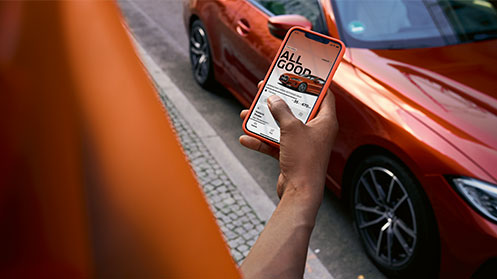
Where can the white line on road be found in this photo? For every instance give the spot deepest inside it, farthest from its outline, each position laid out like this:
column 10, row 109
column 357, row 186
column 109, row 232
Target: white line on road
column 240, row 177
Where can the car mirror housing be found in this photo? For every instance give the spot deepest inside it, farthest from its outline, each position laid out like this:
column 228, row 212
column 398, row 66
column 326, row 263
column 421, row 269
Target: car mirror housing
column 279, row 25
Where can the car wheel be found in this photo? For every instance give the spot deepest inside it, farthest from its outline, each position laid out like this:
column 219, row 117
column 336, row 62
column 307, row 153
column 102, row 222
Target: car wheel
column 394, row 219
column 302, row 87
column 200, row 55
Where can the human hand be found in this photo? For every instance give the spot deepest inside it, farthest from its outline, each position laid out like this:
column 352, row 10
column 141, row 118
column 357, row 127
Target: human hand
column 304, row 148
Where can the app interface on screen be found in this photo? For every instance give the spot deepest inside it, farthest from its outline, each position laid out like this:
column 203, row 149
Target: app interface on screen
column 298, row 77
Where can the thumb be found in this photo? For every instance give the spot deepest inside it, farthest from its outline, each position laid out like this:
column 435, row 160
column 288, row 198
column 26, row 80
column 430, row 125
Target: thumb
column 280, row 111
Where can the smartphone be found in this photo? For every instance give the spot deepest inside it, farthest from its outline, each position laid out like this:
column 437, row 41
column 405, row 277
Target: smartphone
column 300, row 74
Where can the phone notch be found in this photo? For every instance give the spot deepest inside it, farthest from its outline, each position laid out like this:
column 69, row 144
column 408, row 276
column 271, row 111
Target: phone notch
column 317, row 38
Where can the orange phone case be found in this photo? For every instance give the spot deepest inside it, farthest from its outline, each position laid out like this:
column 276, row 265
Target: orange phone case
column 321, row 96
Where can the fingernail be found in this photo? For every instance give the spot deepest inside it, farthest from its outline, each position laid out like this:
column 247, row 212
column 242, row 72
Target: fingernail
column 273, row 99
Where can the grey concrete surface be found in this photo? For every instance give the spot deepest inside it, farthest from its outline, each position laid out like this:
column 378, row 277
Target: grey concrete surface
column 158, row 25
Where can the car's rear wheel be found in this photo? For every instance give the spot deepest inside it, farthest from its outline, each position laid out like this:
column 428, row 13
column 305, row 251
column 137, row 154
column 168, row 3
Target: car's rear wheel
column 200, row 55
column 302, row 87
column 394, row 219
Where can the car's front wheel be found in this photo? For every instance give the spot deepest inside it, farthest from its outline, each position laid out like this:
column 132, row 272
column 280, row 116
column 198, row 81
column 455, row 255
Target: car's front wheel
column 200, row 55
column 394, row 219
column 302, row 87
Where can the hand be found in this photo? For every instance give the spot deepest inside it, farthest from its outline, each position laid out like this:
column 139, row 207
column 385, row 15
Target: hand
column 304, row 148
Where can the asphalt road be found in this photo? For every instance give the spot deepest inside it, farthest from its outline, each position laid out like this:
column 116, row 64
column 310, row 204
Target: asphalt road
column 158, row 25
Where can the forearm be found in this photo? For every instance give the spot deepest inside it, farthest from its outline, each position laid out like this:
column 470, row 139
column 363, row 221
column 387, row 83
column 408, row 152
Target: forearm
column 281, row 249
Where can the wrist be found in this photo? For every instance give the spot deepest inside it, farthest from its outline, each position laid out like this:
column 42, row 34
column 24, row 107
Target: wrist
column 306, row 191
column 304, row 200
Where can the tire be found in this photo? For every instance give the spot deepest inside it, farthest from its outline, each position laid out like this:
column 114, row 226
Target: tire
column 396, row 213
column 302, row 87
column 200, row 55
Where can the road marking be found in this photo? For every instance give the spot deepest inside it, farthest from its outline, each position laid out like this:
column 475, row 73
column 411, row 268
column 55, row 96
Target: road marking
column 252, row 192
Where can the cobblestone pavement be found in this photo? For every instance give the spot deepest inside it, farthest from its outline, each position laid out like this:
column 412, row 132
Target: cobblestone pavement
column 237, row 220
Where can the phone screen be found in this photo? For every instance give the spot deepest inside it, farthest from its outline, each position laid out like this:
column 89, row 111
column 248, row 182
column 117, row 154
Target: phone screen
column 298, row 76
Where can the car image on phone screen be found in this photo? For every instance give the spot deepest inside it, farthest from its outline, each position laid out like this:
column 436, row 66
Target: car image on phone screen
column 299, row 75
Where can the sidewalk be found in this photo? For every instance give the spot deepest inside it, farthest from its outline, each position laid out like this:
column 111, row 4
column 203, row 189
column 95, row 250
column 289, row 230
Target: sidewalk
column 239, row 204
column 235, row 217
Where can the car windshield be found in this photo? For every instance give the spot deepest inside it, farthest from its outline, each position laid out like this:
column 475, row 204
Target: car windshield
column 399, row 24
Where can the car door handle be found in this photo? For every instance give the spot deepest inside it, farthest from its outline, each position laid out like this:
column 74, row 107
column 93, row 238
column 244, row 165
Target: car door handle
column 242, row 27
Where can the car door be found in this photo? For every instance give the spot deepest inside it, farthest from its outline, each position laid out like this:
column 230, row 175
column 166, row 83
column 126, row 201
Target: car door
column 253, row 48
column 314, row 85
column 218, row 18
column 254, row 44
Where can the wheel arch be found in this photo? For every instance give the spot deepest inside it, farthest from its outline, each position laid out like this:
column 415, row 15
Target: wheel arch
column 193, row 17
column 367, row 150
column 359, row 154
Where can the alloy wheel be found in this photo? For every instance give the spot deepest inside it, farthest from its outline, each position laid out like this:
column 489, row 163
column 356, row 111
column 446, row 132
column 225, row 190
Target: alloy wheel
column 385, row 216
column 199, row 54
column 302, row 87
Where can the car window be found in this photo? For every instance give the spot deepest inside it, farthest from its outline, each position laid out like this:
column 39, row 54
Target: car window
column 390, row 24
column 310, row 9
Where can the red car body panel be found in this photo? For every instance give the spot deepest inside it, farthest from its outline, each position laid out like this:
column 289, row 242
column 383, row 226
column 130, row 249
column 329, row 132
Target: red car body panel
column 313, row 87
column 435, row 109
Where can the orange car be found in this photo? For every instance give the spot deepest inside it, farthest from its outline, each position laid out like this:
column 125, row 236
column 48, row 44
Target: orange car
column 417, row 105
column 304, row 83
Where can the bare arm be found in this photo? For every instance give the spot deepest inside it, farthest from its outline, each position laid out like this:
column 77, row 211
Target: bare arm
column 281, row 250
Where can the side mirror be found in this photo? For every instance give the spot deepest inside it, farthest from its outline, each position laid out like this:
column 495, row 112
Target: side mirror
column 279, row 25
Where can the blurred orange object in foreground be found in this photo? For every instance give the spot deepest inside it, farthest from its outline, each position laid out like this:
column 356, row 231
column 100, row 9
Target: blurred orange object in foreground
column 92, row 178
